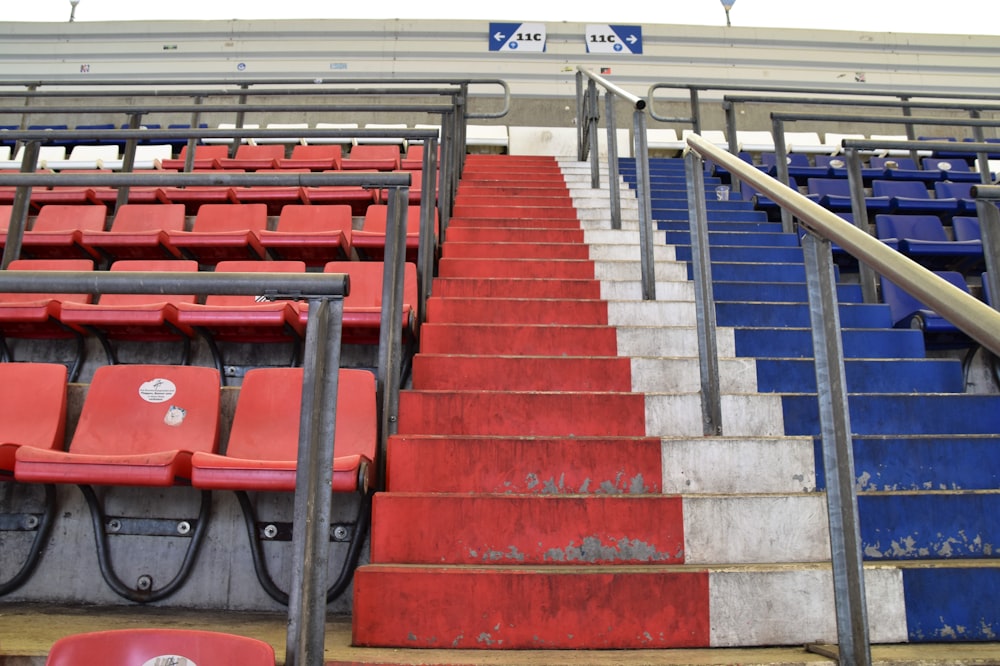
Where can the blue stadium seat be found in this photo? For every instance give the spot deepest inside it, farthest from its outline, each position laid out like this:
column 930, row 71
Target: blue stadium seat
column 909, row 312
column 835, row 194
column 923, row 238
column 912, row 196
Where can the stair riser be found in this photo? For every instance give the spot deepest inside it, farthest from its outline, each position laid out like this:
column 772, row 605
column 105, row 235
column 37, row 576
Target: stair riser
column 489, row 373
column 527, row 531
column 524, row 288
column 530, row 609
column 524, row 235
column 511, row 311
column 796, row 315
column 511, row 250
column 498, row 221
column 479, row 413
column 514, row 212
column 521, row 465
column 486, row 339
column 882, row 414
column 864, row 376
column 517, row 268
column 797, row 343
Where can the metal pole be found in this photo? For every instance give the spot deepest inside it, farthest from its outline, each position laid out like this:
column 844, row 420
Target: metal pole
column 701, row 263
column 428, row 222
column 593, row 118
column 646, row 259
column 781, row 164
column 19, row 212
column 128, row 159
column 313, row 480
column 859, row 211
column 838, row 454
column 989, row 229
column 391, row 328
column 614, row 192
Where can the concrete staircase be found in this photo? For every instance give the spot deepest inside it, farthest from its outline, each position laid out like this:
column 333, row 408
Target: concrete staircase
column 550, row 485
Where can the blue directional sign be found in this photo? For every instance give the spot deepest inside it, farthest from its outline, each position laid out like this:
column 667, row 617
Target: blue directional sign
column 623, row 39
column 517, row 37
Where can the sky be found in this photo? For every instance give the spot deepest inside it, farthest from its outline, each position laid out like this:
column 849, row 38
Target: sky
column 921, row 16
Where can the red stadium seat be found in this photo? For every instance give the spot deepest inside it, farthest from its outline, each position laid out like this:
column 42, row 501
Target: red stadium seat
column 313, row 234
column 354, row 195
column 32, row 413
column 251, row 157
column 262, row 453
column 275, row 197
column 139, row 426
column 57, row 232
column 223, row 232
column 135, row 317
column 369, row 240
column 363, row 305
column 313, row 157
column 36, row 315
column 138, row 231
column 364, row 157
column 159, row 646
column 245, row 319
column 196, row 196
column 204, row 157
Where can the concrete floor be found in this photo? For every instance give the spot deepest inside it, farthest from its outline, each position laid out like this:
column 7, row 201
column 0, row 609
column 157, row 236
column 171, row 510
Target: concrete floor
column 28, row 630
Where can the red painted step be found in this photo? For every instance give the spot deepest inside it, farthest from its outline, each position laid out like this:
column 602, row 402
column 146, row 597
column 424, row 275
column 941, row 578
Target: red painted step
column 516, row 310
column 521, row 339
column 525, row 288
column 541, row 200
column 515, row 250
column 519, row 234
column 524, row 465
column 510, row 190
column 513, row 211
column 579, row 414
column 516, row 268
column 520, row 608
column 498, row 220
column 516, row 529
column 434, row 372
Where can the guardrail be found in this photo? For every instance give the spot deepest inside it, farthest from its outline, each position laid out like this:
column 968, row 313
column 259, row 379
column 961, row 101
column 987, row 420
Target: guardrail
column 975, row 318
column 588, row 116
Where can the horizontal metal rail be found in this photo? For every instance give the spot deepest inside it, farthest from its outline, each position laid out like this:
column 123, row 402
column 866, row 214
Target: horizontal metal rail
column 976, row 319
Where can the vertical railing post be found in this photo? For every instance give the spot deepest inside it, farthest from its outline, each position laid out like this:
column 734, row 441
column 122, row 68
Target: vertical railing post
column 781, row 164
column 313, row 481
column 614, row 192
column 128, row 159
column 646, row 260
column 838, row 454
column 859, row 211
column 428, row 221
column 989, row 229
column 391, row 325
column 19, row 211
column 701, row 264
column 593, row 120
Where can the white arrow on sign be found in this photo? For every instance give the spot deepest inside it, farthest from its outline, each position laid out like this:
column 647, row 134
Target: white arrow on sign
column 631, row 39
column 499, row 36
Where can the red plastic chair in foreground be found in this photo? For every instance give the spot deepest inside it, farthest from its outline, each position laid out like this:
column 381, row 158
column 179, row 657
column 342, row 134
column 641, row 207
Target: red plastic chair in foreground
column 138, row 231
column 262, row 455
column 139, row 427
column 32, row 413
column 313, row 234
column 136, row 647
column 223, row 232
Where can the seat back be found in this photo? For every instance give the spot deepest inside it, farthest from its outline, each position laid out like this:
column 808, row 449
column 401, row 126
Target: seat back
column 144, row 409
column 377, row 216
column 230, row 217
column 60, row 217
column 329, row 154
column 366, row 279
column 828, row 186
column 312, row 219
column 266, row 421
column 143, row 646
column 966, row 228
column 910, row 227
column 48, row 265
column 250, row 266
column 32, row 408
column 911, row 189
column 133, row 218
column 903, row 306
column 946, row 189
column 248, row 151
column 155, row 265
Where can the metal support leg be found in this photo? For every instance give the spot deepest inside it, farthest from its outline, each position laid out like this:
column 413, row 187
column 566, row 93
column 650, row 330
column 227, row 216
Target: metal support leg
column 838, row 454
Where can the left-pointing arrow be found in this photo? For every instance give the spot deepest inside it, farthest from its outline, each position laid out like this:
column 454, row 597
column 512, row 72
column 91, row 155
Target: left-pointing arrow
column 499, row 36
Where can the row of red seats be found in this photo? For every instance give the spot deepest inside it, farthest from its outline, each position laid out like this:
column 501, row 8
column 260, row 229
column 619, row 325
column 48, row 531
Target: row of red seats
column 219, row 232
column 218, row 319
column 251, row 157
column 274, row 196
column 158, row 426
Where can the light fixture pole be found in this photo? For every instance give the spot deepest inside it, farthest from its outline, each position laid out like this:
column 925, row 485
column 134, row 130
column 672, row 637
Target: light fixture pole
column 727, row 5
column 72, row 12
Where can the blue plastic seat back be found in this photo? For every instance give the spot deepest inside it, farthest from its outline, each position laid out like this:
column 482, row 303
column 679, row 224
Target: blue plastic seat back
column 911, row 227
column 966, row 228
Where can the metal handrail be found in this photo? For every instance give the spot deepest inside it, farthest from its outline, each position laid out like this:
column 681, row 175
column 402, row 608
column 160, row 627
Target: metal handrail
column 588, row 115
column 978, row 320
column 972, row 316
